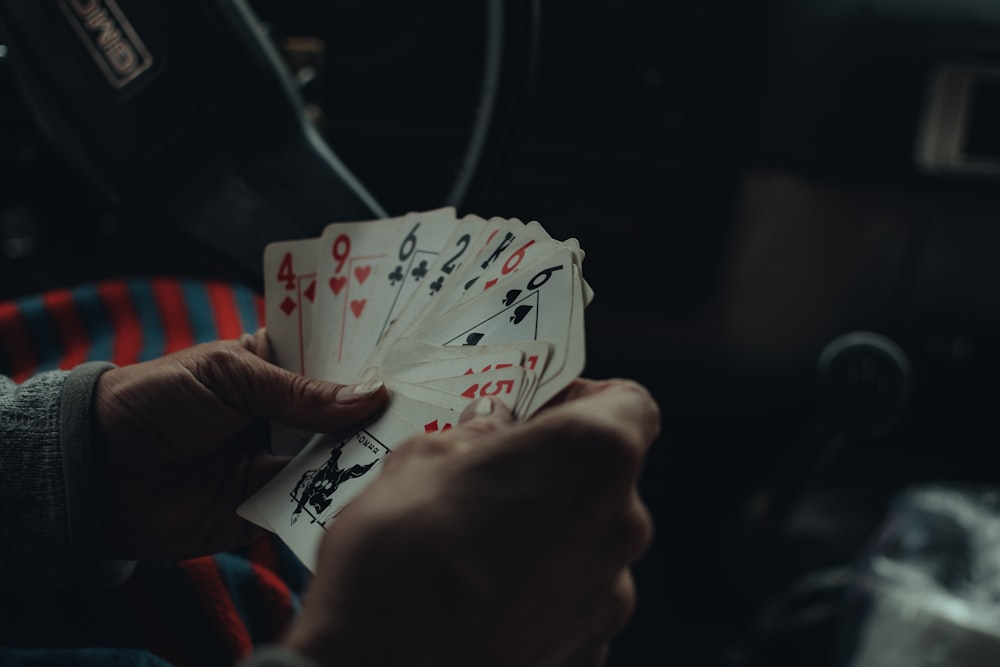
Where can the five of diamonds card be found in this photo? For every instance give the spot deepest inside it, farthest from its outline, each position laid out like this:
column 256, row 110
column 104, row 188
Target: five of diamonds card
column 444, row 310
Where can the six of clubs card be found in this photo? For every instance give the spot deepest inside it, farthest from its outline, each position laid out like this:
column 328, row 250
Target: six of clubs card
column 444, row 310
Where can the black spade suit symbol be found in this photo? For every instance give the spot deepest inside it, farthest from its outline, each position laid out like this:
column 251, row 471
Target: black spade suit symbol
column 511, row 297
column 520, row 313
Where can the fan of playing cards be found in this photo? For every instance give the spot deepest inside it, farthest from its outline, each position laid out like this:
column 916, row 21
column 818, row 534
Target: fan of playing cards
column 444, row 310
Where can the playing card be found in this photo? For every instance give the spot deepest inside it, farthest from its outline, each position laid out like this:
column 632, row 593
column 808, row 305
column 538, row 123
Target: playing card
column 445, row 310
column 428, row 392
column 428, row 416
column 418, row 243
column 497, row 236
column 348, row 255
column 506, row 384
column 424, row 394
column 309, row 493
column 487, row 360
column 520, row 247
column 289, row 295
column 555, row 379
column 533, row 304
column 526, row 247
column 579, row 254
column 464, row 237
column 289, row 298
column 410, row 352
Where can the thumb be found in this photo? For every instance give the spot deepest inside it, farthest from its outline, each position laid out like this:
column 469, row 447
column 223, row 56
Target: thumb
column 324, row 407
column 485, row 416
column 262, row 389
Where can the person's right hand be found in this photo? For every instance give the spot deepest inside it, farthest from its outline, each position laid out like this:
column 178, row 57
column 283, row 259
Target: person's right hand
column 493, row 544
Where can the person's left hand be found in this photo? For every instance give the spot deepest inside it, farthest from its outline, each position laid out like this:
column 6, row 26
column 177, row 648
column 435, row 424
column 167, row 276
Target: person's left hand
column 182, row 440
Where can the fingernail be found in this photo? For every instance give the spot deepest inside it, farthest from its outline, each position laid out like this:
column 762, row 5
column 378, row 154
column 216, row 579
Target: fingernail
column 483, row 407
column 357, row 392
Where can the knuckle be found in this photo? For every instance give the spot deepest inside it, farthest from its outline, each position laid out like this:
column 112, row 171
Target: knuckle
column 308, row 392
column 223, row 354
column 257, row 343
column 624, row 536
column 608, row 442
column 621, row 602
column 646, row 411
column 615, row 427
column 636, row 531
column 217, row 364
column 623, row 599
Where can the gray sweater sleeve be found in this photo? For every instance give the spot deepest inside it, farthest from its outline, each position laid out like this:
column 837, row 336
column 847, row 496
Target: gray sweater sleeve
column 48, row 492
column 49, row 514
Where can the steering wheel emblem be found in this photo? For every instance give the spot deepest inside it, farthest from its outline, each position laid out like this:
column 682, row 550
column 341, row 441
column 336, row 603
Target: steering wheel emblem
column 109, row 38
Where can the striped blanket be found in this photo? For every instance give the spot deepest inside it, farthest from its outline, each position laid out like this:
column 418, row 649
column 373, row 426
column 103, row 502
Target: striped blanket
column 205, row 611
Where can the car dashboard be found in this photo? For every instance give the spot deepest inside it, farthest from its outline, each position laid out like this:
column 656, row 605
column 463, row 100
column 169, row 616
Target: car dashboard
column 790, row 210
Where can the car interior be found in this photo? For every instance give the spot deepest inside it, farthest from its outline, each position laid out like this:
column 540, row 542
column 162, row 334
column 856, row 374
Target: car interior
column 787, row 207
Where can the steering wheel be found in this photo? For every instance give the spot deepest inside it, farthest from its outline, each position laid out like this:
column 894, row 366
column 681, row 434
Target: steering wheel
column 188, row 117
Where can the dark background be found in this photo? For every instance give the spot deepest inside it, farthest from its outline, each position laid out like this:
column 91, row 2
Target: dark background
column 742, row 177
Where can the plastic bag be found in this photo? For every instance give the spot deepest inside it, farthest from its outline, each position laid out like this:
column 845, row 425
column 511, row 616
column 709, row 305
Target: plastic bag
column 928, row 592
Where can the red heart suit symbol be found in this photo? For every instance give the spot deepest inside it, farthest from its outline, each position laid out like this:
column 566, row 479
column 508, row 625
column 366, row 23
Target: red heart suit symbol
column 361, row 273
column 337, row 284
column 358, row 306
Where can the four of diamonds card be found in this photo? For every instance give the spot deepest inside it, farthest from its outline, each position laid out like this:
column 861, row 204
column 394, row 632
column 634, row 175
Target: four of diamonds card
column 444, row 310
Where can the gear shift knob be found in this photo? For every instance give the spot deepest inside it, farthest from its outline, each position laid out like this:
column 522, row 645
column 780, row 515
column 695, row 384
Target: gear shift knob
column 865, row 381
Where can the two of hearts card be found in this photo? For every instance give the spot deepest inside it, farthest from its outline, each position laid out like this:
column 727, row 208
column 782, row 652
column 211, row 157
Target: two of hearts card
column 444, row 310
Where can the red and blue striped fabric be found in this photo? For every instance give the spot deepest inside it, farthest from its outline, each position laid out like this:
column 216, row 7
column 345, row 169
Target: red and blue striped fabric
column 205, row 611
column 120, row 321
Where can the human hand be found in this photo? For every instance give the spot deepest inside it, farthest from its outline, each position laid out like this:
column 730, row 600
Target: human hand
column 182, row 440
column 491, row 544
